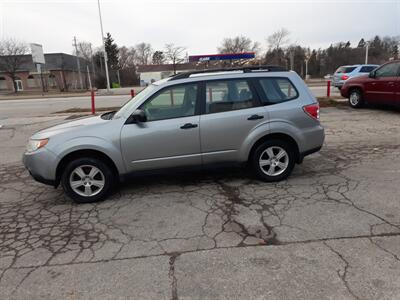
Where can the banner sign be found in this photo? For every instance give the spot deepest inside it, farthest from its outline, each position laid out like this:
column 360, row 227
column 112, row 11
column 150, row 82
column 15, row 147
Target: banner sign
column 227, row 56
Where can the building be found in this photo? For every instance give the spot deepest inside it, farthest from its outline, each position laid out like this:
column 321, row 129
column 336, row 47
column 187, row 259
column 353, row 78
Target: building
column 151, row 73
column 60, row 72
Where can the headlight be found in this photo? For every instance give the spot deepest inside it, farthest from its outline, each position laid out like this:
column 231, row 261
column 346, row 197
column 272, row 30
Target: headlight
column 34, row 145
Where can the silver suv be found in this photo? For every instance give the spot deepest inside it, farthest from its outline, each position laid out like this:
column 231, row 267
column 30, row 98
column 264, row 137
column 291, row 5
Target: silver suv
column 263, row 116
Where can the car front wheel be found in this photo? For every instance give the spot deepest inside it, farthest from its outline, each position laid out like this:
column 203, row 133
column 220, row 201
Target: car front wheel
column 355, row 99
column 87, row 180
column 273, row 160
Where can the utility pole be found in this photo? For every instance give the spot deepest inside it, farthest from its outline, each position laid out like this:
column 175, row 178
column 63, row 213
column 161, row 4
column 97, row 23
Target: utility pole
column 119, row 79
column 366, row 52
column 78, row 63
column 306, row 68
column 88, row 75
column 291, row 59
column 104, row 46
column 92, row 59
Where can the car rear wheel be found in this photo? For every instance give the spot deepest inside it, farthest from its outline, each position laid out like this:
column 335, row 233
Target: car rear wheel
column 273, row 160
column 87, row 180
column 355, row 99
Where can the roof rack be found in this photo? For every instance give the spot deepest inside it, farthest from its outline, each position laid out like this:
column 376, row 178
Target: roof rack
column 247, row 69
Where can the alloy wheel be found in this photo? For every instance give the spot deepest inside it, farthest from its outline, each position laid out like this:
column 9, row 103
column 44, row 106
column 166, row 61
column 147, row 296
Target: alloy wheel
column 87, row 180
column 274, row 161
column 354, row 98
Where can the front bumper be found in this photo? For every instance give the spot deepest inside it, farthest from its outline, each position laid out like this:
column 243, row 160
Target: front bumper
column 42, row 165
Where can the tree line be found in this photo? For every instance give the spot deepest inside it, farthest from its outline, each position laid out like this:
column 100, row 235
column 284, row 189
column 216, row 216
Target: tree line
column 123, row 61
column 279, row 50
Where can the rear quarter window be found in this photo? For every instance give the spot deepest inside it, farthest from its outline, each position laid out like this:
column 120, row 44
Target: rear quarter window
column 277, row 90
column 345, row 69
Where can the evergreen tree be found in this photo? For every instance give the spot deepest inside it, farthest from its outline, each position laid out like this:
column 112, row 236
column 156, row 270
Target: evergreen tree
column 361, row 43
column 112, row 52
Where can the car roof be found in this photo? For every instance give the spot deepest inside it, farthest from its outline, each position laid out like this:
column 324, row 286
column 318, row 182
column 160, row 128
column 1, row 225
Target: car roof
column 359, row 65
column 226, row 73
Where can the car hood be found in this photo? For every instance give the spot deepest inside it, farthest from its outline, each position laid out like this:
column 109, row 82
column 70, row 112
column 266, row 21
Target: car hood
column 358, row 77
column 68, row 126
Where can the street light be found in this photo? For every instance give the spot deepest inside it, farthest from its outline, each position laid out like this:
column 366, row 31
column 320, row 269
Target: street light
column 104, row 48
column 366, row 52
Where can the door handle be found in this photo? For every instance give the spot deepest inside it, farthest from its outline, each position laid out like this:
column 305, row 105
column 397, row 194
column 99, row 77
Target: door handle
column 255, row 117
column 188, row 126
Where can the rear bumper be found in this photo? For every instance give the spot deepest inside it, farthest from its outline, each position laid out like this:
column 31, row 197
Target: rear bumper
column 306, row 153
column 338, row 84
column 313, row 139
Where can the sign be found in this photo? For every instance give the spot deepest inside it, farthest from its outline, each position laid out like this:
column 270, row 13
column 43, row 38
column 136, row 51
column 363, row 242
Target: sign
column 226, row 56
column 37, row 54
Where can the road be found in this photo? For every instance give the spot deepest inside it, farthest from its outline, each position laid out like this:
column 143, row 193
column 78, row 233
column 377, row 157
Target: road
column 47, row 106
column 331, row 231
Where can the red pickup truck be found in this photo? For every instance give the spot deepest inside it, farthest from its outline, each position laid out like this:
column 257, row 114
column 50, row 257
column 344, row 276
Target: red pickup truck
column 381, row 86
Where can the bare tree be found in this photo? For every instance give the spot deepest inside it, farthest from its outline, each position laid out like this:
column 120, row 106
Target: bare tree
column 84, row 50
column 278, row 39
column 12, row 52
column 174, row 54
column 127, row 57
column 238, row 44
column 143, row 53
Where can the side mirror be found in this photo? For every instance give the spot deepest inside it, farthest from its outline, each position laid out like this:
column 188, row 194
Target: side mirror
column 372, row 74
column 138, row 116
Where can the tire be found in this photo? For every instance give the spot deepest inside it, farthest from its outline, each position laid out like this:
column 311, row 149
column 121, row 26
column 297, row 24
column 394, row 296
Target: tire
column 263, row 157
column 92, row 185
column 355, row 98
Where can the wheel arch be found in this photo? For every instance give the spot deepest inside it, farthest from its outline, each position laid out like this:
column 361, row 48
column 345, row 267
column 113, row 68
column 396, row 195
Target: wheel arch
column 355, row 87
column 85, row 153
column 279, row 136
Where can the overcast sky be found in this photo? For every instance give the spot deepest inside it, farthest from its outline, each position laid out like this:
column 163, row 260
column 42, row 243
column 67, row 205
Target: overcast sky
column 197, row 25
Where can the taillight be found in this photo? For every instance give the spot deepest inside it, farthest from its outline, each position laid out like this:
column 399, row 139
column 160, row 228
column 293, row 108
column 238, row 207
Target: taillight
column 344, row 77
column 312, row 110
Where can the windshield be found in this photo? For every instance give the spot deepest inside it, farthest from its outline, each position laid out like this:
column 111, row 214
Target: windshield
column 126, row 109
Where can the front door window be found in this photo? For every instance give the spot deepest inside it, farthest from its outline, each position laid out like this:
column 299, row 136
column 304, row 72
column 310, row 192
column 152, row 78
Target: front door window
column 172, row 102
column 388, row 70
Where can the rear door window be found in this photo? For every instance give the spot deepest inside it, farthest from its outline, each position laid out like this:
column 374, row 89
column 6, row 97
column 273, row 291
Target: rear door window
column 227, row 95
column 367, row 69
column 277, row 90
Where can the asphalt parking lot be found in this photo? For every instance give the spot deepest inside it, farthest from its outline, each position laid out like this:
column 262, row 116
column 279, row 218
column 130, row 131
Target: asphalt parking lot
column 331, row 231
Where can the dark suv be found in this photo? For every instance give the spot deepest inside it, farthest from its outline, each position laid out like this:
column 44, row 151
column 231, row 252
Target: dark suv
column 381, row 86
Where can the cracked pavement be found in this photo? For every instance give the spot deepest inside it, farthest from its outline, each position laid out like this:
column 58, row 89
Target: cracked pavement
column 331, row 231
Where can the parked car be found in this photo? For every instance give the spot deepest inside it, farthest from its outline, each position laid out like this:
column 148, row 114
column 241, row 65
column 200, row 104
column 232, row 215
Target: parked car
column 344, row 73
column 263, row 116
column 381, row 86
